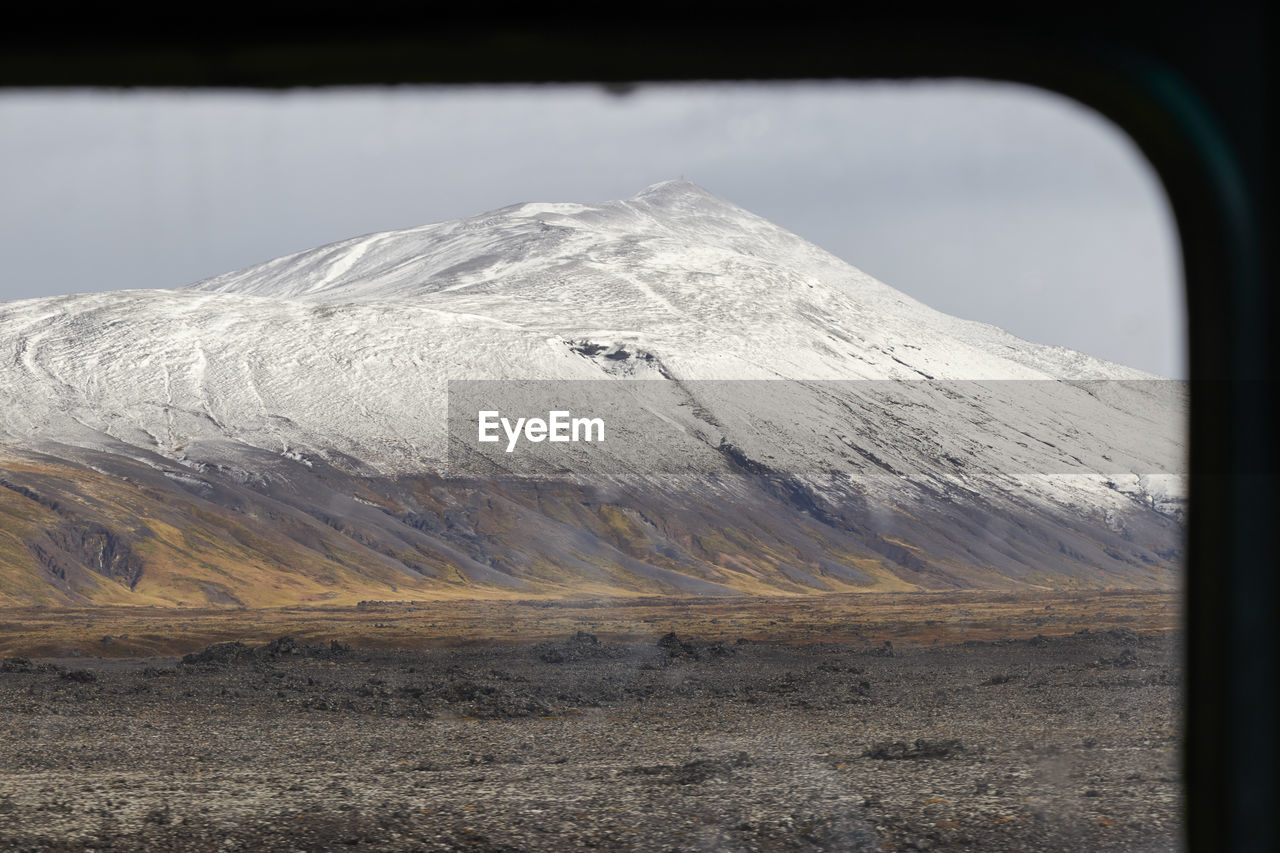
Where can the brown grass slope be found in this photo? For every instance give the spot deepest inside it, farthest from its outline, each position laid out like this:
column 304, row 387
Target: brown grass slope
column 81, row 527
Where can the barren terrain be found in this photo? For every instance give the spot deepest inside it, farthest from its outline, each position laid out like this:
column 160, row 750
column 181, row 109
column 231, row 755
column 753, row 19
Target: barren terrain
column 961, row 721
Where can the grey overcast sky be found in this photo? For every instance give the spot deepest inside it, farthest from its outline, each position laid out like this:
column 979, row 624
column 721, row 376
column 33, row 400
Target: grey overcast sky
column 993, row 202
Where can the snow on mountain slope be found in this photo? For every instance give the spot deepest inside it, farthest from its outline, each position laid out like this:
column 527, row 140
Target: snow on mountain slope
column 348, row 347
column 722, row 292
column 339, row 359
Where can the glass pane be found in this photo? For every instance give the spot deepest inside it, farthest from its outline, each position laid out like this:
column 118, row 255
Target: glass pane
column 721, row 467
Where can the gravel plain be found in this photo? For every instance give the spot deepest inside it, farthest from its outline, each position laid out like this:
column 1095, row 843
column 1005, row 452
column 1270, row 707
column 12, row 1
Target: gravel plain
column 1063, row 743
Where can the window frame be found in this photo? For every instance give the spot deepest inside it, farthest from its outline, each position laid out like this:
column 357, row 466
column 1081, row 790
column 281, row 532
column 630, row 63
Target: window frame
column 1188, row 89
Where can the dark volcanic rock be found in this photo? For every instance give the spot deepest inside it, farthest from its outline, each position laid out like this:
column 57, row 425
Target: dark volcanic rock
column 218, row 654
column 1126, row 659
column 581, row 646
column 921, row 749
column 82, row 676
column 27, row 666
column 225, row 654
column 694, row 772
column 677, row 648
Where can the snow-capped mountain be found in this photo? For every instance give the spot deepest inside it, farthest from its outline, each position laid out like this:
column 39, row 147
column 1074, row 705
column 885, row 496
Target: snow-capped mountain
column 315, row 388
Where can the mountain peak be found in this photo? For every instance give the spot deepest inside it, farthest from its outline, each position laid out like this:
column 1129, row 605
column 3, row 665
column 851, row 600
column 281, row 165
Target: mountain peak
column 676, row 258
column 674, row 186
column 678, row 191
